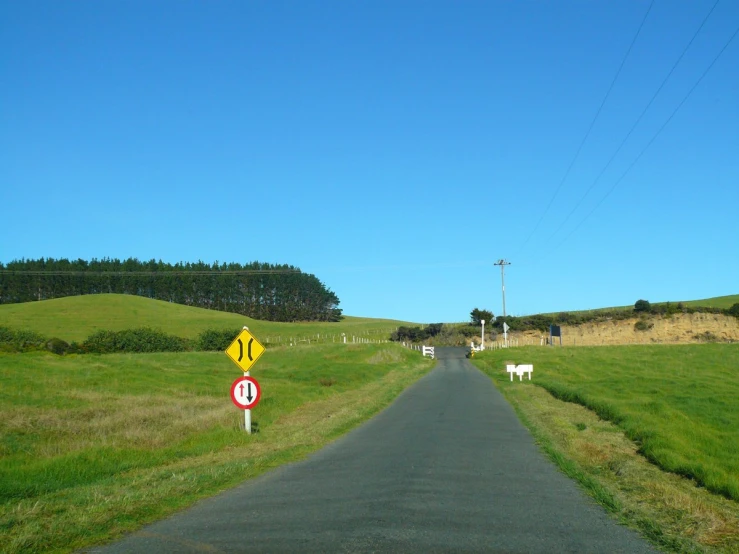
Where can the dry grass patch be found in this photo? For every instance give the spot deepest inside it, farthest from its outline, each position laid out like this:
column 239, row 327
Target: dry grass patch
column 128, row 421
column 384, row 357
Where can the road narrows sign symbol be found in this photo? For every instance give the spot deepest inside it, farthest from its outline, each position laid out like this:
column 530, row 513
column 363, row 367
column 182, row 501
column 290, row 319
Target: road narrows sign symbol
column 245, row 393
column 245, row 350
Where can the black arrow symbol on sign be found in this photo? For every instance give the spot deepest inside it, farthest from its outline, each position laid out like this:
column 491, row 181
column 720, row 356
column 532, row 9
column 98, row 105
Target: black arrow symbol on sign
column 241, row 349
column 249, row 350
column 248, row 392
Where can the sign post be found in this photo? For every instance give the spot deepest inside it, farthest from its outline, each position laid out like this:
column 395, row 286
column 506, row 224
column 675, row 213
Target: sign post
column 244, row 351
column 555, row 331
column 247, row 413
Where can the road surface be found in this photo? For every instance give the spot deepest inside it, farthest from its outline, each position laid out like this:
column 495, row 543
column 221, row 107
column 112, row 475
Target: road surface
column 446, row 468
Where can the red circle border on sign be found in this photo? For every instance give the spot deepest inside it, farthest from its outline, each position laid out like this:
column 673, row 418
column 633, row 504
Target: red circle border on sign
column 256, row 398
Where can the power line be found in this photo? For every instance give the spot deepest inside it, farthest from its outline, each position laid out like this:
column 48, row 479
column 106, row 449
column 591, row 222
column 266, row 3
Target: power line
column 636, row 123
column 590, row 128
column 402, row 267
column 685, row 98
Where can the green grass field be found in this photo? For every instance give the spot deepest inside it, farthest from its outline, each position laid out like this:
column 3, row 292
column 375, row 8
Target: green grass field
column 679, row 403
column 92, row 446
column 717, row 302
column 74, row 318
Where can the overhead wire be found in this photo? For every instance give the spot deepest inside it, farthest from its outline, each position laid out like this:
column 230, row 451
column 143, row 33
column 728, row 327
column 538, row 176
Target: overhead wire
column 654, row 137
column 636, row 123
column 590, row 128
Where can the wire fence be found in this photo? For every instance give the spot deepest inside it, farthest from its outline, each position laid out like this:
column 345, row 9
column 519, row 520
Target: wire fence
column 369, row 336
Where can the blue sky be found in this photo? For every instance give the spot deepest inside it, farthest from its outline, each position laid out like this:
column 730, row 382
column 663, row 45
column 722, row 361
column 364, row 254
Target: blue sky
column 394, row 149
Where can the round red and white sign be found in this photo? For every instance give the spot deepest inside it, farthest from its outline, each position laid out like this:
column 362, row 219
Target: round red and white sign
column 245, row 393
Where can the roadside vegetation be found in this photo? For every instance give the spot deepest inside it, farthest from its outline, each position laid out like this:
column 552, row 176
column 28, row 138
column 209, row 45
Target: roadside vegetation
column 641, row 308
column 651, row 432
column 92, row 446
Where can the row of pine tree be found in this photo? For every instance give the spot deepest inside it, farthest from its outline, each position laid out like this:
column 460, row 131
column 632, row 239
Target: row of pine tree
column 258, row 290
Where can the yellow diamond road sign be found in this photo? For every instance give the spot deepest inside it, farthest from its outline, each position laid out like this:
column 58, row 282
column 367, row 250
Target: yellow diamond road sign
column 245, row 350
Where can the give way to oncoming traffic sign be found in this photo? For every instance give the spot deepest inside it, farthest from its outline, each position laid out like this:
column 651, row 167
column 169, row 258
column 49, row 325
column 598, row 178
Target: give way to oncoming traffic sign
column 245, row 392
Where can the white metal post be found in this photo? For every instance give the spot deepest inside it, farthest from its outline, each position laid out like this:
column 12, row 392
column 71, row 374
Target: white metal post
column 247, row 413
column 482, row 336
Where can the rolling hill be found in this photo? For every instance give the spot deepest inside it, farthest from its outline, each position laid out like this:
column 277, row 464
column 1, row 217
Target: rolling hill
column 74, row 318
column 715, row 302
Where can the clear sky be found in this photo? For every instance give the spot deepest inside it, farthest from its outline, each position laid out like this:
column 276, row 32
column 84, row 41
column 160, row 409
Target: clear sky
column 395, row 149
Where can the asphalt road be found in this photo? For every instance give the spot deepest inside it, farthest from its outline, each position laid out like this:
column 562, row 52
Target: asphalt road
column 446, row 468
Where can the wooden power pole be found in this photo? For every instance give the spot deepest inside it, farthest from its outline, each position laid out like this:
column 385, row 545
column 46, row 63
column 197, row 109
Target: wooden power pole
column 502, row 264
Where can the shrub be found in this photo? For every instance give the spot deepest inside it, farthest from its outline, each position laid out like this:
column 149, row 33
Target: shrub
column 57, row 346
column 76, row 348
column 30, row 340
column 20, row 340
column 734, row 310
column 642, row 306
column 643, row 325
column 566, row 318
column 214, row 340
column 477, row 315
column 469, row 331
column 143, row 339
column 6, row 335
column 416, row 334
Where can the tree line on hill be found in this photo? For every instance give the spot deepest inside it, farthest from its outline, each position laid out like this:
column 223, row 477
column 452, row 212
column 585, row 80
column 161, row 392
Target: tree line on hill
column 258, row 290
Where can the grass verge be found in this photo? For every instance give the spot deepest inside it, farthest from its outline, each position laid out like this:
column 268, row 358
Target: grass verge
column 96, row 446
column 673, row 511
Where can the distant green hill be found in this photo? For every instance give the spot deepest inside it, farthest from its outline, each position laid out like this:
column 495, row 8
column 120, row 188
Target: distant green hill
column 74, row 318
column 716, row 302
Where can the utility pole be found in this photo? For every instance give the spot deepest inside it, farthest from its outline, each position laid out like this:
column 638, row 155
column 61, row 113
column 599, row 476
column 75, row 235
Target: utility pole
column 502, row 264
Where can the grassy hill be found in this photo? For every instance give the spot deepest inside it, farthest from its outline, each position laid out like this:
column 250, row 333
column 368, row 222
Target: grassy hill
column 74, row 318
column 715, row 302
